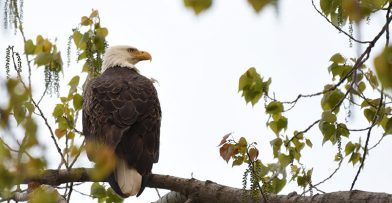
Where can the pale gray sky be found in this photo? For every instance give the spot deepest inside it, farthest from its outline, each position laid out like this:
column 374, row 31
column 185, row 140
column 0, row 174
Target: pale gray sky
column 198, row 61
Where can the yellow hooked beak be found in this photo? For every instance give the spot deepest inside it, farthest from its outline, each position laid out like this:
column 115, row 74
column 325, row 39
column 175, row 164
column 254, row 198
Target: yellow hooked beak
column 142, row 55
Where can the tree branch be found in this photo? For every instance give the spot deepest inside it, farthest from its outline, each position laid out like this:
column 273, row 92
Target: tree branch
column 208, row 191
column 374, row 122
column 337, row 27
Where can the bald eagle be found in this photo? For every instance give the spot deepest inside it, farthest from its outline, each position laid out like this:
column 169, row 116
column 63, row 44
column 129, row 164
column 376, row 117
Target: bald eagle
column 121, row 111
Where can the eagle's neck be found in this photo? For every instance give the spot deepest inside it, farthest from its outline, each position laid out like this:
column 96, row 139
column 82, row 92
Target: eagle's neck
column 112, row 60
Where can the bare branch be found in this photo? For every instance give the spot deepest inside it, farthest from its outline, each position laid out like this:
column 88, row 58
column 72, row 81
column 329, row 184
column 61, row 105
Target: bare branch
column 338, row 28
column 41, row 114
column 374, row 121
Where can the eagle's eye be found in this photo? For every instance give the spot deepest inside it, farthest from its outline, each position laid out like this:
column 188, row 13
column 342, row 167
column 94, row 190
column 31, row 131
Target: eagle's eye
column 130, row 50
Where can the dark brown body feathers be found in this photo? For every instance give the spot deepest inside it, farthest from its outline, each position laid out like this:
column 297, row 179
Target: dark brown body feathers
column 121, row 110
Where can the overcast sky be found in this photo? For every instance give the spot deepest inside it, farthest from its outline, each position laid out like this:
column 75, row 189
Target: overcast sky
column 198, row 61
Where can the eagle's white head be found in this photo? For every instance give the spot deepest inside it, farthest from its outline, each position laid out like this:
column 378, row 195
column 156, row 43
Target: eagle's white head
column 124, row 56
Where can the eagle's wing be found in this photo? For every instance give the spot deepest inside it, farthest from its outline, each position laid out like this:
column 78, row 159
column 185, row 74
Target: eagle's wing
column 121, row 110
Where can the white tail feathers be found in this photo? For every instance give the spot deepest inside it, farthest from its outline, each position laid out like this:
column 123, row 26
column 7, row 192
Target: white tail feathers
column 128, row 179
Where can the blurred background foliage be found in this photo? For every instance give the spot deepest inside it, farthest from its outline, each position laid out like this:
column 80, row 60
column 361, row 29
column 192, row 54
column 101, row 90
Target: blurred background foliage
column 351, row 78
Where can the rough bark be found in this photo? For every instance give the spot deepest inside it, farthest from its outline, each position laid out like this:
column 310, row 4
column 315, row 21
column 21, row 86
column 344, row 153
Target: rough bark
column 194, row 190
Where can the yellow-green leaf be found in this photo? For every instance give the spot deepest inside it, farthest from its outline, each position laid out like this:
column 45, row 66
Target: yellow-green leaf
column 58, row 110
column 258, row 5
column 86, row 21
column 349, row 148
column 102, row 32
column 309, row 143
column 274, row 107
column 198, row 6
column 74, row 82
column 328, row 116
column 29, row 47
column 337, row 58
column 383, row 66
column 97, row 190
column 43, row 58
column 77, row 101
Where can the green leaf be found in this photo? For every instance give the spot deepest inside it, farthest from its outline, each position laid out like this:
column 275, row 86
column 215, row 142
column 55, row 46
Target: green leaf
column 309, row 143
column 361, row 87
column 19, row 113
column 383, row 66
column 252, row 86
column 98, row 191
column 388, row 127
column 325, row 6
column 58, row 110
column 242, row 142
column 77, row 101
column 374, row 4
column 327, row 130
column 74, row 82
column 337, row 157
column 278, row 125
column 62, row 123
column 238, row 161
column 369, row 114
column 99, row 44
column 198, row 6
column 284, row 160
column 29, row 47
column 341, row 129
column 328, row 116
column 30, row 107
column 262, row 169
column 372, row 79
column 355, row 158
column 277, row 184
column 350, row 147
column 80, row 40
column 41, row 195
column 276, row 145
column 102, row 32
column 301, row 181
column 274, row 107
column 331, row 99
column 86, row 21
column 337, row 58
column 258, row 5
column 370, row 102
column 43, row 59
column 113, row 197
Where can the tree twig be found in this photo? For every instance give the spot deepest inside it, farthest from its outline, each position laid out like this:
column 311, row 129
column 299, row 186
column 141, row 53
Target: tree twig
column 374, row 121
column 338, row 28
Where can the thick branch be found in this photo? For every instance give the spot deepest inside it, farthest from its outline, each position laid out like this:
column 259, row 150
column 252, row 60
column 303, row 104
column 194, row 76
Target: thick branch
column 208, row 191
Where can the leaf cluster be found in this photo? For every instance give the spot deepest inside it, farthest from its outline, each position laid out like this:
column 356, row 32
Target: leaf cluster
column 340, row 11
column 104, row 195
column 90, row 40
column 199, row 6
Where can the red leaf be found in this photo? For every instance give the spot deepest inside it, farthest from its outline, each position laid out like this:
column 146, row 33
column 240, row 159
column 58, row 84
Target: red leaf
column 224, row 139
column 253, row 154
column 226, row 151
column 59, row 133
